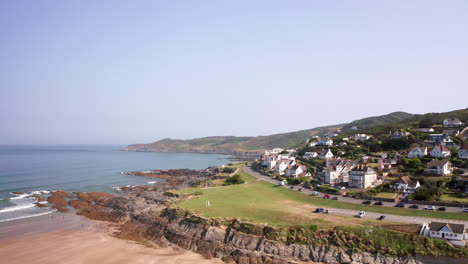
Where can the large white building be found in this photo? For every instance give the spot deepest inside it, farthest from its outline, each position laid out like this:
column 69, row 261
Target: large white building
column 362, row 177
column 440, row 151
column 337, row 171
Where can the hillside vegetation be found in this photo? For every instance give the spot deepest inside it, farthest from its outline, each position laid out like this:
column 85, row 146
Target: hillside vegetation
column 227, row 144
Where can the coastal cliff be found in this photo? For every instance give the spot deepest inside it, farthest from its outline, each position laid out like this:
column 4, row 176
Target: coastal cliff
column 149, row 211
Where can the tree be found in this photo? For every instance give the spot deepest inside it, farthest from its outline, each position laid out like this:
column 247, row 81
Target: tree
column 235, row 179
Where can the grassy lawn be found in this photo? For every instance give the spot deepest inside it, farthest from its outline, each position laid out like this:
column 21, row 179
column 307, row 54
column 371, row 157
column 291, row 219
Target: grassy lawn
column 264, row 202
column 386, row 195
column 452, row 198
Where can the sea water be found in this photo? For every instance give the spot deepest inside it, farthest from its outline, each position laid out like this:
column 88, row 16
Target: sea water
column 38, row 169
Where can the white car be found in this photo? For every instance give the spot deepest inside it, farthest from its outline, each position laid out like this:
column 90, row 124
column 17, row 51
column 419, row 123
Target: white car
column 429, row 207
column 328, row 211
column 361, row 214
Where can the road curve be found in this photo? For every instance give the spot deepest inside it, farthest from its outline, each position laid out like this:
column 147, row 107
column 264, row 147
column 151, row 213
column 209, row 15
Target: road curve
column 371, row 215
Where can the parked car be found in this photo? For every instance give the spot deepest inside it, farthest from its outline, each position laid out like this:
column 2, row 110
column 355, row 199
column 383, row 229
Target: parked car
column 328, row 211
column 314, row 194
column 361, row 214
column 465, row 210
column 378, row 203
column 429, row 207
column 292, row 187
column 400, row 205
column 414, row 206
column 319, row 210
column 366, row 202
column 441, row 208
column 343, row 188
column 336, row 198
column 382, row 217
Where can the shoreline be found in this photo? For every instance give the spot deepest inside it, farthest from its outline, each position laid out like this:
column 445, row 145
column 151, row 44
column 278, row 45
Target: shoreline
column 70, row 238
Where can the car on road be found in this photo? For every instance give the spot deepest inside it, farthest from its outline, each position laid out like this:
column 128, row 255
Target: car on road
column 429, row 207
column 382, row 217
column 314, row 194
column 378, row 203
column 414, row 206
column 400, row 205
column 441, row 208
column 300, row 189
column 292, row 187
column 366, row 202
column 465, row 210
column 328, row 211
column 361, row 214
column 336, row 198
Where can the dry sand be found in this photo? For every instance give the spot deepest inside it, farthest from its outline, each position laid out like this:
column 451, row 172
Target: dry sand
column 68, row 238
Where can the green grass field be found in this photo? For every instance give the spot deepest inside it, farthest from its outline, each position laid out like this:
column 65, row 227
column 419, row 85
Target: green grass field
column 386, row 195
column 263, row 202
column 453, row 198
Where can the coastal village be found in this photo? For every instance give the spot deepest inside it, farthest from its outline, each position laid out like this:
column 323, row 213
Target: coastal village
column 422, row 168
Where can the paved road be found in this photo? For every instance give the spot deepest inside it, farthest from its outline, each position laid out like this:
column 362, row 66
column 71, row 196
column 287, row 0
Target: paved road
column 393, row 218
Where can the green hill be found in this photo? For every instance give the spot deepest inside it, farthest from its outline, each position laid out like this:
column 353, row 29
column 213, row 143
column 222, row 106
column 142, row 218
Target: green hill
column 227, row 144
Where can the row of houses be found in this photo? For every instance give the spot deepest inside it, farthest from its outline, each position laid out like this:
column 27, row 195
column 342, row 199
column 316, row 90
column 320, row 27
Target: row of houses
column 284, row 165
column 439, row 151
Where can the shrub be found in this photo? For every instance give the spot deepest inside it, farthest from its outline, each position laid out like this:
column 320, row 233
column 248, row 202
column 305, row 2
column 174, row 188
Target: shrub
column 236, row 179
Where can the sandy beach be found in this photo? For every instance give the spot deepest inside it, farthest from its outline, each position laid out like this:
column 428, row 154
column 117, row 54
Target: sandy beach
column 69, row 238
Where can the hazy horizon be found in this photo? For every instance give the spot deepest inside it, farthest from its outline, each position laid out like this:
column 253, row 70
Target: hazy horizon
column 115, row 72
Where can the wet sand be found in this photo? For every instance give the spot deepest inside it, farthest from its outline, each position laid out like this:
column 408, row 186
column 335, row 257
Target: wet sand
column 69, row 238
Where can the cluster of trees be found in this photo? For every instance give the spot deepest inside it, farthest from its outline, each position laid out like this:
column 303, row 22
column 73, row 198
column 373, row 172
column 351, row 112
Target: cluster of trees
column 414, row 165
column 429, row 191
column 328, row 188
column 235, row 179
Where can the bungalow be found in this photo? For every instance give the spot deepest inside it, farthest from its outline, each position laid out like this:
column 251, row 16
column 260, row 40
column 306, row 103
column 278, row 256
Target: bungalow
column 439, row 139
column 406, row 185
column 399, row 134
column 463, row 152
column 447, row 231
column 440, row 167
column 424, row 129
column 452, row 122
column 326, row 154
column 387, row 164
column 361, row 137
column 274, row 151
column 362, row 177
column 417, row 152
column 440, row 151
column 310, row 155
column 451, row 132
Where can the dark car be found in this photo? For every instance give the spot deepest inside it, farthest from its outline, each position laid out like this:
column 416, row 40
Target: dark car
column 414, row 206
column 300, row 189
column 378, row 203
column 441, row 208
column 335, row 198
column 366, row 202
column 382, row 217
column 292, row 187
column 400, row 205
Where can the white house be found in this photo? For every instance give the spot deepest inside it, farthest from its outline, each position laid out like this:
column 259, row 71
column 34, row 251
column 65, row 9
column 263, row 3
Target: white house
column 452, row 122
column 440, row 151
column 406, row 185
column 282, row 165
column 295, row 171
column 463, row 152
column 440, row 139
column 399, row 134
column 310, row 155
column 440, row 167
column 325, row 142
column 361, row 137
column 362, row 177
column 417, row 152
column 337, row 171
column 447, row 231
column 424, row 129
column 273, row 151
column 326, row 154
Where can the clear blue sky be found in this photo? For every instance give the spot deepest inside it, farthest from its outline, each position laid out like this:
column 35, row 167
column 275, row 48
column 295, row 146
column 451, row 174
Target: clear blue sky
column 138, row 71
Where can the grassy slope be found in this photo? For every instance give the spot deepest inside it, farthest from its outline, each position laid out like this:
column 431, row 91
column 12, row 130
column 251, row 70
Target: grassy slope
column 378, row 120
column 263, row 202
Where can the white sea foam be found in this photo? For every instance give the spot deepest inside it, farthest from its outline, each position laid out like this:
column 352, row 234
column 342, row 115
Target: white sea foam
column 16, row 208
column 152, row 182
column 28, row 216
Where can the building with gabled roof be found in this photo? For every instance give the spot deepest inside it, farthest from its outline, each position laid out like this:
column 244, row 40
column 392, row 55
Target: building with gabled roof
column 440, row 151
column 447, row 231
column 417, row 152
column 452, row 122
column 440, row 167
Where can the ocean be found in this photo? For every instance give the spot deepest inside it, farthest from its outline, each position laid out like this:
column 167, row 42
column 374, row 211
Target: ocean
column 34, row 169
